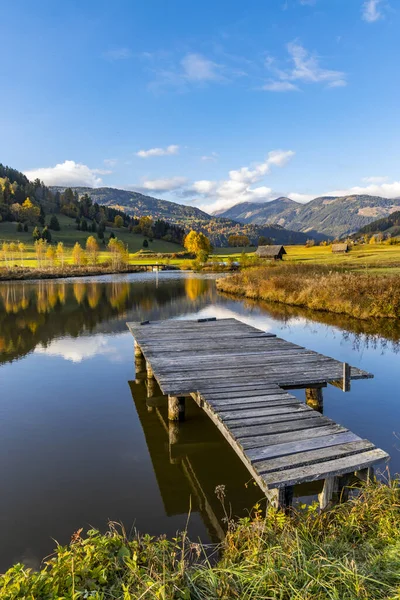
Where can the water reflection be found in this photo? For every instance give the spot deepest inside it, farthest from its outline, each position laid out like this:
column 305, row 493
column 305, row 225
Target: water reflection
column 37, row 313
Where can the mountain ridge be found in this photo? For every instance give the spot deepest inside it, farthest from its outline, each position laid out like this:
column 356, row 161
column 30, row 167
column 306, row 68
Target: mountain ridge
column 334, row 216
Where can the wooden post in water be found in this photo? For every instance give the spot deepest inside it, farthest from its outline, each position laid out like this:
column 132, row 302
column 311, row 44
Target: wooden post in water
column 149, row 370
column 140, row 369
column 315, row 399
column 346, row 377
column 176, row 408
column 138, row 350
column 151, row 387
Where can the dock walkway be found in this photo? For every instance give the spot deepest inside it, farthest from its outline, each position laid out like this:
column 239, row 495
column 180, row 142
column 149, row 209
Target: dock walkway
column 239, row 376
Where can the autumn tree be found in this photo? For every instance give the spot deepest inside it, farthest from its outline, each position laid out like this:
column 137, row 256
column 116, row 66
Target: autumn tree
column 238, row 241
column 118, row 221
column 78, row 255
column 29, row 212
column 196, row 242
column 40, row 251
column 60, row 254
column 92, row 250
column 119, row 253
column 21, row 248
column 51, row 256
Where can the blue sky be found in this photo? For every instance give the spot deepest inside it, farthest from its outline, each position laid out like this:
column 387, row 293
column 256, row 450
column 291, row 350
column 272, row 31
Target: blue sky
column 206, row 103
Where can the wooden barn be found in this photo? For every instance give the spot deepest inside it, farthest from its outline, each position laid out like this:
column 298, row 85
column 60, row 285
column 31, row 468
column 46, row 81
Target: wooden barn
column 340, row 248
column 271, row 252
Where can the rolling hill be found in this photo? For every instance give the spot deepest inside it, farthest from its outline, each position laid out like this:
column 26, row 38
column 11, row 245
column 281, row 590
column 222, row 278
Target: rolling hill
column 332, row 216
column 136, row 204
column 387, row 225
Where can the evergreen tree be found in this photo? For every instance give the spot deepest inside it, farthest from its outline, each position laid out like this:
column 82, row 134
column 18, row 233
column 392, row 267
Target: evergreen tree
column 54, row 223
column 84, row 225
column 46, row 235
column 26, row 228
column 94, row 227
column 145, row 243
column 19, row 227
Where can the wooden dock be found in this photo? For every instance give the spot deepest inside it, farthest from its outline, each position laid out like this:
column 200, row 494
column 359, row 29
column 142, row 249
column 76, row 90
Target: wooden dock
column 239, row 376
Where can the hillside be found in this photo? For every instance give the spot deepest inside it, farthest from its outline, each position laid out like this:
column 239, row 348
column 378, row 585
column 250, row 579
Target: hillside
column 388, row 225
column 332, row 216
column 218, row 229
column 136, row 204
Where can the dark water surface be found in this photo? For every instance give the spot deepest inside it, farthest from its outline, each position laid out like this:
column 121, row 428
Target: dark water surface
column 78, row 444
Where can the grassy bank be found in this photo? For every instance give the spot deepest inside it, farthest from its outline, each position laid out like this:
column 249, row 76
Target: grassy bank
column 318, row 287
column 350, row 552
column 20, row 273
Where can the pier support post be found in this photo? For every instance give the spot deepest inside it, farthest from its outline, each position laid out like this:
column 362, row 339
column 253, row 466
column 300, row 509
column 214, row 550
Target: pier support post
column 149, row 370
column 140, row 369
column 176, row 408
column 329, row 492
column 151, row 387
column 138, row 351
column 281, row 497
column 366, row 475
column 315, row 399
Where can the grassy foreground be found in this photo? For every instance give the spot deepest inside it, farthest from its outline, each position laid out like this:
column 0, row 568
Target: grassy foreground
column 349, row 552
column 358, row 294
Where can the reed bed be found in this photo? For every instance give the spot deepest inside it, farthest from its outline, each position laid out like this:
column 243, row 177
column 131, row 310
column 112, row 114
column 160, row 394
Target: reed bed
column 349, row 552
column 357, row 294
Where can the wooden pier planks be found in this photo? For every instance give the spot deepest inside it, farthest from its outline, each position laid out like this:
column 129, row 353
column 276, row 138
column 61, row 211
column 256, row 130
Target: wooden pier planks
column 237, row 373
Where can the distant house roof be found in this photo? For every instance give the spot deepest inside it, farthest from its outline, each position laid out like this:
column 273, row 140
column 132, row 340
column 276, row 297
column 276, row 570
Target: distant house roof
column 340, row 247
column 270, row 251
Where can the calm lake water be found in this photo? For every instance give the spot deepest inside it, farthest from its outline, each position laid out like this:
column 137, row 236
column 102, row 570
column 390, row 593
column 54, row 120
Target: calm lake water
column 78, row 444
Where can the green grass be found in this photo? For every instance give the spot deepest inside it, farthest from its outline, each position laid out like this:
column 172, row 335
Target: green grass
column 69, row 235
column 351, row 552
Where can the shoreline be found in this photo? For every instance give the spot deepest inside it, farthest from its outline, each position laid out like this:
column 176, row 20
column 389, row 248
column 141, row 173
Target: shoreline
column 26, row 274
column 358, row 295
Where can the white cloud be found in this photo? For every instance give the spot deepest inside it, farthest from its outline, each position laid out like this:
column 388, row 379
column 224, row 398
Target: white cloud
column 68, row 173
column 110, row 162
column 375, row 179
column 305, row 68
column 78, row 349
column 210, row 157
column 298, row 197
column 386, row 190
column 172, row 149
column 163, row 185
column 118, row 54
column 198, row 68
column 279, row 86
column 239, row 186
column 371, row 10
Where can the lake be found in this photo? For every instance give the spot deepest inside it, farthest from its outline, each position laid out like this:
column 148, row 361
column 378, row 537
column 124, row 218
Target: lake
column 79, row 445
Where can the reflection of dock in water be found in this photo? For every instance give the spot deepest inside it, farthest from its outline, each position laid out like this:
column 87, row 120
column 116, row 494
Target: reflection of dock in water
column 239, row 376
column 191, row 460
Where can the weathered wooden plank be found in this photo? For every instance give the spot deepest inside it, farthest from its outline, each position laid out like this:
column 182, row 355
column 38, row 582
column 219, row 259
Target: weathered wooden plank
column 305, row 434
column 226, row 412
column 312, row 456
column 330, row 468
column 266, row 414
column 242, row 431
column 257, row 454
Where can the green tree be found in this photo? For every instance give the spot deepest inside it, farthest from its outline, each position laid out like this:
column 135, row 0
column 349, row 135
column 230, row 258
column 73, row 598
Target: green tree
column 46, row 234
column 118, row 221
column 54, row 223
column 145, row 243
column 19, row 227
column 84, row 225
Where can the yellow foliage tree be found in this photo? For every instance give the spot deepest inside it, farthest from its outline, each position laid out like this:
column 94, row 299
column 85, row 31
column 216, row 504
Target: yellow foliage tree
column 60, row 253
column 78, row 255
column 92, row 250
column 118, row 221
column 196, row 242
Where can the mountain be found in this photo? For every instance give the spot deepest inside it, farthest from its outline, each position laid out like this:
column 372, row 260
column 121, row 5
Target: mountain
column 330, row 215
column 277, row 211
column 387, row 225
column 136, row 204
column 218, row 229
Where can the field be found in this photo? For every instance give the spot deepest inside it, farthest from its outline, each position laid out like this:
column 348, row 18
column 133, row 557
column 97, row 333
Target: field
column 69, row 235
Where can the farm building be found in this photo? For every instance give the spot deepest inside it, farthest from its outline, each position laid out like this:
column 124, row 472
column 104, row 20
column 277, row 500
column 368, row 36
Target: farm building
column 340, row 248
column 272, row 252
